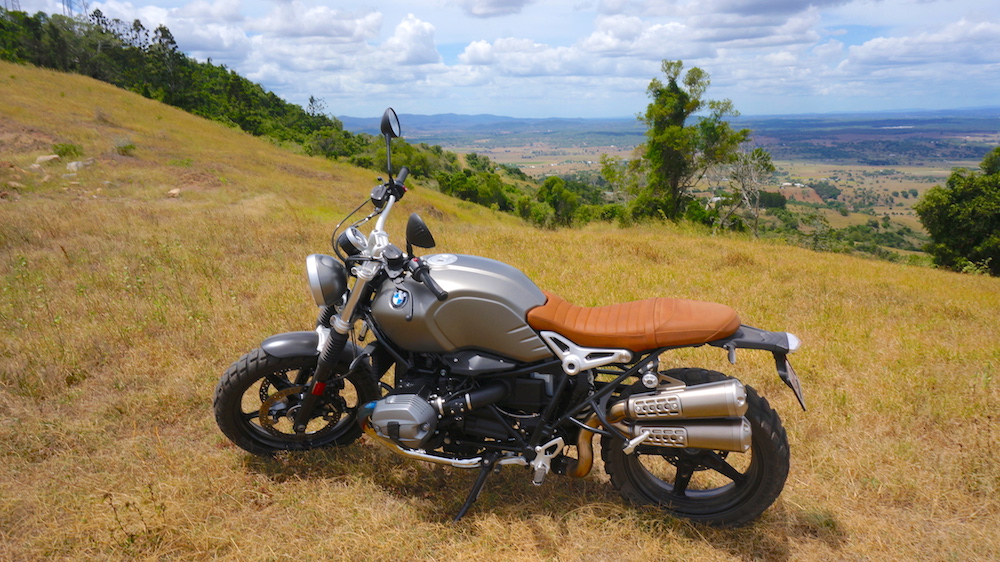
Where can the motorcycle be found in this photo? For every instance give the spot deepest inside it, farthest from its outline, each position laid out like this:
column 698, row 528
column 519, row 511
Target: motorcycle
column 489, row 371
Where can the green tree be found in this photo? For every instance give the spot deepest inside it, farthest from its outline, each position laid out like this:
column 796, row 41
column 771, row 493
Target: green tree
column 963, row 217
column 772, row 200
column 563, row 201
column 169, row 71
column 623, row 176
column 678, row 153
column 826, row 190
column 479, row 163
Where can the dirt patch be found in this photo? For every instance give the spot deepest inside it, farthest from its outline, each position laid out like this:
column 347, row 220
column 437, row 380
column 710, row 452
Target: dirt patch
column 301, row 172
column 12, row 180
column 433, row 212
column 17, row 139
column 803, row 194
column 197, row 181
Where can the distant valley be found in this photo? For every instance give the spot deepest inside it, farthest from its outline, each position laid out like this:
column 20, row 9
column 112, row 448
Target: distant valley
column 881, row 162
column 878, row 139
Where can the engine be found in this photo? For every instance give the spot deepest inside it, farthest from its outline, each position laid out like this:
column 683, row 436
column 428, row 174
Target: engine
column 407, row 419
column 411, row 419
column 422, row 405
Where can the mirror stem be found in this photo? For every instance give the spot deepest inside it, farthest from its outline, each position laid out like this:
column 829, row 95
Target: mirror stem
column 388, row 157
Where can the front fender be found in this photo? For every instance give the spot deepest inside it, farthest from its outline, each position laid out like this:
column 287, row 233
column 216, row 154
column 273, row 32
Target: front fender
column 302, row 344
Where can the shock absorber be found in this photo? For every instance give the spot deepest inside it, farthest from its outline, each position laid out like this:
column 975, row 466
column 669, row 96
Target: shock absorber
column 334, row 346
column 324, row 369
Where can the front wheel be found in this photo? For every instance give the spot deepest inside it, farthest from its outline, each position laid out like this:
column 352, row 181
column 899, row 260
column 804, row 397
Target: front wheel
column 713, row 487
column 258, row 397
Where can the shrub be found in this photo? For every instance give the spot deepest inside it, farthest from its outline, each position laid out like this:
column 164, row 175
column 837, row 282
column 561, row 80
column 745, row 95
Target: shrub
column 67, row 150
column 124, row 146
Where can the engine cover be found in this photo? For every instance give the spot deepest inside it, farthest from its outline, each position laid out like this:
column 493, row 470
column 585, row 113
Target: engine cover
column 407, row 419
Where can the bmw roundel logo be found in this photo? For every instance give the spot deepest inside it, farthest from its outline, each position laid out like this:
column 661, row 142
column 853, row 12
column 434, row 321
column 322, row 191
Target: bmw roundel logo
column 399, row 298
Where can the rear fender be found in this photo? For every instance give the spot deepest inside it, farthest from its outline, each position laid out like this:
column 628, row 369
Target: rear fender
column 780, row 344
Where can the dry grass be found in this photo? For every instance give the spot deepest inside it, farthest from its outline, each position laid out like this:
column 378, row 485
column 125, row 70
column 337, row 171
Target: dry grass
column 120, row 306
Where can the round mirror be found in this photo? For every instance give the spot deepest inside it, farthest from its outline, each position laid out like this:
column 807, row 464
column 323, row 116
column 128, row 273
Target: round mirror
column 390, row 123
column 417, row 232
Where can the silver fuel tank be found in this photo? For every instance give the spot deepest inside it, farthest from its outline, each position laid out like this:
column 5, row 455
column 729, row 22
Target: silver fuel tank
column 486, row 309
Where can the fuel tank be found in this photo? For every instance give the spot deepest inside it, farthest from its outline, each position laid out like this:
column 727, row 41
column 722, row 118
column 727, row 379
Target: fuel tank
column 485, row 310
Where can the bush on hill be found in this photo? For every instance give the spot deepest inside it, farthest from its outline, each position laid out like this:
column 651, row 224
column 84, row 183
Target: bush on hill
column 963, row 218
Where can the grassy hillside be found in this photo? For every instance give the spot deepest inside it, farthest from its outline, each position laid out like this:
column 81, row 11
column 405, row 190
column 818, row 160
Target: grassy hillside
column 120, row 306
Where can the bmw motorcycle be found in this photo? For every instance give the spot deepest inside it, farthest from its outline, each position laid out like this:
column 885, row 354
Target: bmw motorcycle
column 488, row 370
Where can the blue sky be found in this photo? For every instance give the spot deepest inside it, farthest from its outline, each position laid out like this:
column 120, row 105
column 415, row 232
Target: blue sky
column 590, row 58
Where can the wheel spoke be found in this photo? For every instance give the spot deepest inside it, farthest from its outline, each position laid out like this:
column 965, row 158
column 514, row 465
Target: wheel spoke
column 303, row 376
column 277, row 381
column 685, row 470
column 715, row 487
column 715, row 461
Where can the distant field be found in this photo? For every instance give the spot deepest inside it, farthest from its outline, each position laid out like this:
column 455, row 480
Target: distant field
column 842, row 135
column 918, row 144
column 540, row 159
column 883, row 181
column 883, row 158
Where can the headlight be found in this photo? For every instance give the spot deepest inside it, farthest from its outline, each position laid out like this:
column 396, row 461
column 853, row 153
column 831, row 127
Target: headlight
column 327, row 279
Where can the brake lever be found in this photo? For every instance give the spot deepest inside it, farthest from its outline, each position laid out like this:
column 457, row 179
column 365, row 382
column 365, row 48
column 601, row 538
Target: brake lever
column 422, row 273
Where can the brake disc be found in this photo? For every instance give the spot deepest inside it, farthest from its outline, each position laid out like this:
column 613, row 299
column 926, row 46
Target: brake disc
column 270, row 413
column 272, row 410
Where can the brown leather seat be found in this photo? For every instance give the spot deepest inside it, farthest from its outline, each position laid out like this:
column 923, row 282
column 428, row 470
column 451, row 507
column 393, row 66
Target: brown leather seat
column 638, row 325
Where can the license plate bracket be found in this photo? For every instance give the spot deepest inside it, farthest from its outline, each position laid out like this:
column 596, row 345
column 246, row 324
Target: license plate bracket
column 788, row 375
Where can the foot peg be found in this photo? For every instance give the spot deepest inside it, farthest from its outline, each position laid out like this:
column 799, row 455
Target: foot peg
column 633, row 443
column 543, row 459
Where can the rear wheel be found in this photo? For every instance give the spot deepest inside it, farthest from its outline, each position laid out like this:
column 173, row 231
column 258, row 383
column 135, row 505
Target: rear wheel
column 258, row 397
column 714, row 487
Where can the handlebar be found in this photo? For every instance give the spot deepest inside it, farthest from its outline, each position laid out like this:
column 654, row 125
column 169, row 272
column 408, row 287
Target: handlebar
column 395, row 187
column 383, row 197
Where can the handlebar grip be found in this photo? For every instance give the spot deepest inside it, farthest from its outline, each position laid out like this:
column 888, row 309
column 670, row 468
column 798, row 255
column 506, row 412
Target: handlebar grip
column 403, row 172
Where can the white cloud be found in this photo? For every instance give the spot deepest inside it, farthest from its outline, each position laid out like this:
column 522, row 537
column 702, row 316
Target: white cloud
column 589, row 57
column 413, row 43
column 627, row 36
column 769, row 7
column 525, row 57
column 758, row 31
column 478, row 53
column 295, row 19
column 963, row 42
column 224, row 42
column 228, row 11
column 832, row 50
column 493, row 8
column 615, row 34
column 299, row 55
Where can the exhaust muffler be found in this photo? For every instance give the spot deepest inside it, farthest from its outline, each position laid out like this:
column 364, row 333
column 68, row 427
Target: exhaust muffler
column 705, row 416
column 720, row 399
column 720, row 435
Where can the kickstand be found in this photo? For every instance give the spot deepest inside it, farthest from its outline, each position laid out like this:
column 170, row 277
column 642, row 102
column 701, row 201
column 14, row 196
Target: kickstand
column 489, row 460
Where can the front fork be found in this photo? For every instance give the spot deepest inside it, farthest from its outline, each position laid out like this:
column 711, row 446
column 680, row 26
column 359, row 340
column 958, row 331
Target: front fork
column 334, row 346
